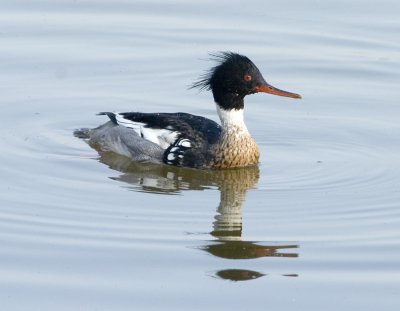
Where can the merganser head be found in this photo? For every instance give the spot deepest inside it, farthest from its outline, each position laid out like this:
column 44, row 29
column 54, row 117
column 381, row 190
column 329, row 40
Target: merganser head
column 234, row 77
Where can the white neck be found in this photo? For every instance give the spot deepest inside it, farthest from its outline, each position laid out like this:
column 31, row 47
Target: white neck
column 232, row 118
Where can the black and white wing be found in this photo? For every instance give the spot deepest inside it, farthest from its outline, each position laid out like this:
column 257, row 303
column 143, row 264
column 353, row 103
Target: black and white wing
column 184, row 137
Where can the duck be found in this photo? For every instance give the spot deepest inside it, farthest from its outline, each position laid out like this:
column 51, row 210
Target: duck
column 187, row 140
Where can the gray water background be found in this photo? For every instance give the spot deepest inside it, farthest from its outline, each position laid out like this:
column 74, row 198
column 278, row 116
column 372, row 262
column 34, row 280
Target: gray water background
column 315, row 227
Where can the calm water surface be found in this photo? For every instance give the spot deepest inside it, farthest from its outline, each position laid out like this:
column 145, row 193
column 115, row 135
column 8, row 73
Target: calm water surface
column 315, row 227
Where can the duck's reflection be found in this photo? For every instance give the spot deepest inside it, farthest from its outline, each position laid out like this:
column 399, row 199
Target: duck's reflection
column 227, row 226
column 238, row 274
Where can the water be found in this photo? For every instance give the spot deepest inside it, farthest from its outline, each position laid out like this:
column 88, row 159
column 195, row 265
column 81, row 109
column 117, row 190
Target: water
column 314, row 227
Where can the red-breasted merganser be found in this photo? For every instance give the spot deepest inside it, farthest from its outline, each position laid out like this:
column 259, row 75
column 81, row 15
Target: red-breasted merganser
column 183, row 139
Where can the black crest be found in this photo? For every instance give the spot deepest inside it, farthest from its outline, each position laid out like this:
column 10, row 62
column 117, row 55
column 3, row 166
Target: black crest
column 226, row 61
column 234, row 77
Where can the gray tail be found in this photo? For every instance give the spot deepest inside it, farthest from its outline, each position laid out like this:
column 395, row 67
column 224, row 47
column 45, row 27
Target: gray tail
column 82, row 133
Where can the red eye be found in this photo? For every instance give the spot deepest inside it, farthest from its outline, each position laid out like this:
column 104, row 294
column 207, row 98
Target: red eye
column 247, row 78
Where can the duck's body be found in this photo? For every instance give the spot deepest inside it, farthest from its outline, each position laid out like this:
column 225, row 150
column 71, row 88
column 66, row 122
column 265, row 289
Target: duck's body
column 188, row 140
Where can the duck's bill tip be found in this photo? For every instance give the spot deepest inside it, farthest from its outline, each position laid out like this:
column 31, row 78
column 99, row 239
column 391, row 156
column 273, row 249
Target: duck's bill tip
column 266, row 88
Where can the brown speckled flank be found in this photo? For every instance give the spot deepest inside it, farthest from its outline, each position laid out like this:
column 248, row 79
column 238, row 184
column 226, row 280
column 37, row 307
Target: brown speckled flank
column 236, row 149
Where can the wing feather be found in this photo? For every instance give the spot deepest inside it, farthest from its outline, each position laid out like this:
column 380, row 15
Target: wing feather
column 186, row 138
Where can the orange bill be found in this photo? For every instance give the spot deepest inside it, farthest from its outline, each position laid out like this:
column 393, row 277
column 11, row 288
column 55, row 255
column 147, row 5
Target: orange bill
column 266, row 88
